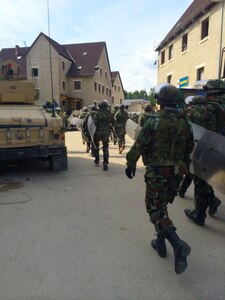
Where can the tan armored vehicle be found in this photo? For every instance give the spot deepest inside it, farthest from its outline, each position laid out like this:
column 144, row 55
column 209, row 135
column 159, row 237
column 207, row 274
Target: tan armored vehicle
column 27, row 130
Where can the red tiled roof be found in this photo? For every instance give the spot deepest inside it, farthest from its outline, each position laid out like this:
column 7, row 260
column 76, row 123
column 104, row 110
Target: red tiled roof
column 86, row 57
column 114, row 74
column 10, row 53
column 193, row 12
column 59, row 48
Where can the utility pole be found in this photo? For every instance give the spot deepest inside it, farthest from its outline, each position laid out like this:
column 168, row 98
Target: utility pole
column 221, row 38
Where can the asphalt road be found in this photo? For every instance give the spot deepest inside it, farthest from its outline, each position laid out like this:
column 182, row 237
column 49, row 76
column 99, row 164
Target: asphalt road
column 84, row 234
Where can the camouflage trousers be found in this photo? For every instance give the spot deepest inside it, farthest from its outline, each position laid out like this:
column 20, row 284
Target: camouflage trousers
column 121, row 132
column 204, row 194
column 160, row 192
column 186, row 182
column 104, row 138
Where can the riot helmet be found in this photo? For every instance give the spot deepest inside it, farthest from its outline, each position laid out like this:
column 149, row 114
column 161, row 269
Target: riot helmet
column 168, row 94
column 116, row 107
column 148, row 108
column 122, row 107
column 214, row 86
column 94, row 107
column 199, row 100
column 104, row 104
column 85, row 108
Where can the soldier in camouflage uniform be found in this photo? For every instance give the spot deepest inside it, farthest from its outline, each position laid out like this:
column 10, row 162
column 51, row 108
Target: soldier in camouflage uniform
column 82, row 116
column 134, row 117
column 194, row 112
column 103, row 120
column 112, row 129
column 121, row 118
column 164, row 142
column 92, row 111
column 212, row 118
column 204, row 193
column 148, row 111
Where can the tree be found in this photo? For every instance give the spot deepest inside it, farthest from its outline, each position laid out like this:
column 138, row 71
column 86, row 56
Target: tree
column 142, row 94
column 152, row 97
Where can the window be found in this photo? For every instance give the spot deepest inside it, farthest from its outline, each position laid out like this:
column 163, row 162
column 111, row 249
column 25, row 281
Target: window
column 115, row 87
column 200, row 74
column 63, row 65
column 118, row 88
column 169, row 78
column 170, row 56
column 78, row 105
column 100, row 70
column 184, row 42
column 112, row 100
column 107, row 91
column 110, row 92
column 205, row 28
column 96, row 86
column 77, row 85
column 103, row 89
column 34, row 72
column 162, row 57
column 99, row 88
column 63, row 85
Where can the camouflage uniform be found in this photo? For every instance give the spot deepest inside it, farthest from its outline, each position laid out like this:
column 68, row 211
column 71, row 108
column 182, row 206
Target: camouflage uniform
column 112, row 129
column 195, row 113
column 103, row 120
column 134, row 117
column 92, row 112
column 145, row 115
column 121, row 118
column 212, row 118
column 82, row 116
column 164, row 141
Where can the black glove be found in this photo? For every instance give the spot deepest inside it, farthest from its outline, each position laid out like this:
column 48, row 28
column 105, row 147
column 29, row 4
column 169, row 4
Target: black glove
column 130, row 172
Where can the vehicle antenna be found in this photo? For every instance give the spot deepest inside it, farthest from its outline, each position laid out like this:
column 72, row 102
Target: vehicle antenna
column 50, row 56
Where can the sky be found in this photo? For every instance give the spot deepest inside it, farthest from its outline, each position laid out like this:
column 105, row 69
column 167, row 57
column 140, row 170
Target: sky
column 132, row 29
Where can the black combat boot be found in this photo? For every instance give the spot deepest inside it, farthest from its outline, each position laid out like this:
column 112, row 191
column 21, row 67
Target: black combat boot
column 185, row 184
column 105, row 160
column 181, row 250
column 88, row 148
column 105, row 166
column 96, row 156
column 181, row 192
column 159, row 245
column 214, row 203
column 96, row 161
column 197, row 217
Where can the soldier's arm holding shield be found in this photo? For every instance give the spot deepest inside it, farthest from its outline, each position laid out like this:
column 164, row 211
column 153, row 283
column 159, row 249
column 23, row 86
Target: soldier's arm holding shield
column 138, row 149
